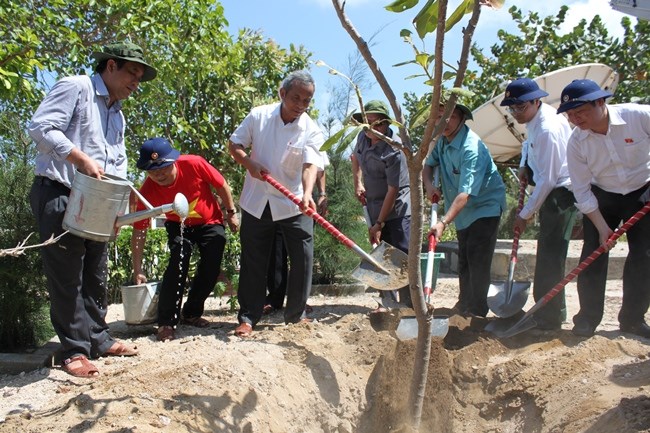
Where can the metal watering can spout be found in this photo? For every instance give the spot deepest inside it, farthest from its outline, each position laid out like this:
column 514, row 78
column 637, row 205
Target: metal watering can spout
column 180, row 206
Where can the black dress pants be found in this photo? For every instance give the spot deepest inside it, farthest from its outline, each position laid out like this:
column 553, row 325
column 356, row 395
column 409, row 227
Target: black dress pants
column 257, row 236
column 616, row 208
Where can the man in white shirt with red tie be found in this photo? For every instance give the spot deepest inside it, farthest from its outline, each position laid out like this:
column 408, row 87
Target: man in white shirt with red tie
column 609, row 163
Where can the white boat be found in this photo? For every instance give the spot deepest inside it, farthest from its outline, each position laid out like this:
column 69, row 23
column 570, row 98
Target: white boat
column 637, row 8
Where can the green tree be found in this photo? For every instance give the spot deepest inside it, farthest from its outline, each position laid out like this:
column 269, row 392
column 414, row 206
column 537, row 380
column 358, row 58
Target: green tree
column 431, row 18
column 207, row 83
column 23, row 298
column 538, row 49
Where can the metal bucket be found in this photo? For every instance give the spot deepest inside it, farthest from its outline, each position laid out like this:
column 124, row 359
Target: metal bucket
column 94, row 205
column 140, row 303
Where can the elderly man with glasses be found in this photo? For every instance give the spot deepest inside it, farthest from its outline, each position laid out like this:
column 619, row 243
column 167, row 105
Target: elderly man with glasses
column 544, row 165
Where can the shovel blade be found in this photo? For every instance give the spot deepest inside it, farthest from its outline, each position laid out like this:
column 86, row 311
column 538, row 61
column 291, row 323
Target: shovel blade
column 498, row 325
column 408, row 327
column 526, row 323
column 504, row 303
column 393, row 260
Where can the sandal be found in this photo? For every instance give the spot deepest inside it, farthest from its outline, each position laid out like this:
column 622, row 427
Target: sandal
column 165, row 333
column 120, row 349
column 268, row 309
column 197, row 322
column 79, row 366
column 244, row 330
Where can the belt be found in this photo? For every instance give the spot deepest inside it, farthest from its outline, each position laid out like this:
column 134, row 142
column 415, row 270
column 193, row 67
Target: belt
column 46, row 181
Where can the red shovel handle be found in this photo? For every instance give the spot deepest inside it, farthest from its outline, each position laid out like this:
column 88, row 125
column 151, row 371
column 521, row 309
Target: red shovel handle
column 310, row 212
column 593, row 256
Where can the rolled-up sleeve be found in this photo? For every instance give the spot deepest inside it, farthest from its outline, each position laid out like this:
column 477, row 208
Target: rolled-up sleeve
column 52, row 118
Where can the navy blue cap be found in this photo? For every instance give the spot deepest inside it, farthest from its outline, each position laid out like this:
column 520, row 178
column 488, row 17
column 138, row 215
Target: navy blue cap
column 156, row 153
column 579, row 92
column 522, row 90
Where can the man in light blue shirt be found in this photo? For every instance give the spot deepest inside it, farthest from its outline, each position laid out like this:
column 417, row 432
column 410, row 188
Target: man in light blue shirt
column 474, row 196
column 79, row 126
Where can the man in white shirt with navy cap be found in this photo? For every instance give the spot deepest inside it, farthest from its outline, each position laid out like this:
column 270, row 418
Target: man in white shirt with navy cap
column 609, row 164
column 544, row 154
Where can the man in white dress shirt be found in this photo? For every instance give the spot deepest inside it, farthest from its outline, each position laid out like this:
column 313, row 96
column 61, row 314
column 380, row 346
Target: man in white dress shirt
column 285, row 143
column 544, row 154
column 609, row 164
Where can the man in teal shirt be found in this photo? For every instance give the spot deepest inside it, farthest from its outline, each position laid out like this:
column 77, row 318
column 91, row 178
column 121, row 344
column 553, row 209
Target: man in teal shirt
column 474, row 199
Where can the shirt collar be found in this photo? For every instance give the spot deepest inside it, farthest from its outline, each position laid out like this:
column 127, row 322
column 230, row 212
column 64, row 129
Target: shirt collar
column 299, row 122
column 614, row 119
column 459, row 139
column 102, row 91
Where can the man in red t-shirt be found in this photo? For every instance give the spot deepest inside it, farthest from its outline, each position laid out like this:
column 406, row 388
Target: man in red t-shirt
column 169, row 173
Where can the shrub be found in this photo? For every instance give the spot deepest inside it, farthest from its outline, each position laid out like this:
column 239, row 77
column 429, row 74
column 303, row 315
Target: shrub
column 24, row 318
column 333, row 262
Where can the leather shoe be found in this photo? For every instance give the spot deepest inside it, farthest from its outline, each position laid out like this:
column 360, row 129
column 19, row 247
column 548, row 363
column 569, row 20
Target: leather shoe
column 583, row 329
column 244, row 330
column 641, row 329
column 547, row 325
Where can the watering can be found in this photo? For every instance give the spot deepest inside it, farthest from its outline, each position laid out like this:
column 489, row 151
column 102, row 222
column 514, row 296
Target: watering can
column 96, row 207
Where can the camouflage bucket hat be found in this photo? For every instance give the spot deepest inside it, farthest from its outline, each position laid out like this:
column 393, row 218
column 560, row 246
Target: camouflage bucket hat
column 126, row 51
column 373, row 107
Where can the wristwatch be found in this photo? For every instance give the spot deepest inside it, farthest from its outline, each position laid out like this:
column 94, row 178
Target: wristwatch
column 231, row 211
column 381, row 224
column 444, row 222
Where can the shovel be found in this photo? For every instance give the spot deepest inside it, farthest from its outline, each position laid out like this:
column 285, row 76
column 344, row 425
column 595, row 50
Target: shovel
column 385, row 268
column 408, row 326
column 428, row 278
column 507, row 299
column 528, row 321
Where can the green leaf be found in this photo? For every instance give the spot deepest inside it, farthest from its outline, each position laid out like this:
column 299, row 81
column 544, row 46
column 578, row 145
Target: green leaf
column 464, row 8
column 332, row 140
column 348, row 139
column 462, row 93
column 423, row 60
column 401, row 5
column 426, row 20
column 420, row 116
column 406, row 34
column 448, row 75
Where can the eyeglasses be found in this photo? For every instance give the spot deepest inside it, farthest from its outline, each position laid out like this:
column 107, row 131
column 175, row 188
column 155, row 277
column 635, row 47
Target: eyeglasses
column 519, row 108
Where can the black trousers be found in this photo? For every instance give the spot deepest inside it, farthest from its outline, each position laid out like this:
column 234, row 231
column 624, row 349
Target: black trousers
column 276, row 280
column 210, row 239
column 475, row 250
column 616, row 208
column 556, row 219
column 257, row 237
column 76, row 270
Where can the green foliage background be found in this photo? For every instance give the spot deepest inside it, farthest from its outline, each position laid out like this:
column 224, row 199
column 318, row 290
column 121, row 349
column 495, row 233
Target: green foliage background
column 207, row 82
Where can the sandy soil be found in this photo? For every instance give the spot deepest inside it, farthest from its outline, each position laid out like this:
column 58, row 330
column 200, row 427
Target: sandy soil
column 345, row 373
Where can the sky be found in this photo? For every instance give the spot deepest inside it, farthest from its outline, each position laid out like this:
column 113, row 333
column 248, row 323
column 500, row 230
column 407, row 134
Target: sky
column 315, row 25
